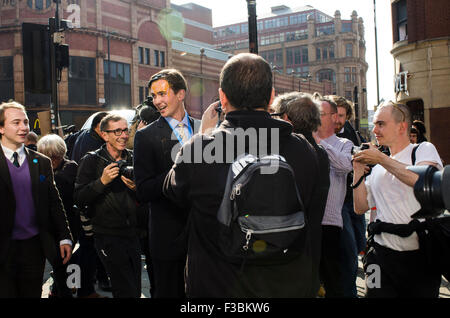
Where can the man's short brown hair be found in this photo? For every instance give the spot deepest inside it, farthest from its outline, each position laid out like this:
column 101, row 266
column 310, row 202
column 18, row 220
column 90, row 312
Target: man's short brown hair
column 174, row 77
column 345, row 103
column 5, row 106
column 104, row 124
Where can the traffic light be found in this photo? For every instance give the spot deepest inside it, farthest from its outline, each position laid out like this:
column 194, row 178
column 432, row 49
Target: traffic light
column 36, row 58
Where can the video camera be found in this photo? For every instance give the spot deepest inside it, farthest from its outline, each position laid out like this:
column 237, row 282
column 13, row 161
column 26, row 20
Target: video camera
column 432, row 190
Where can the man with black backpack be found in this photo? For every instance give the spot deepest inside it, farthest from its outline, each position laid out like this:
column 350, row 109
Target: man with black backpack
column 250, row 185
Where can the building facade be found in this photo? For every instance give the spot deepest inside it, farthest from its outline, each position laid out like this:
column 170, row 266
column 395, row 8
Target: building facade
column 115, row 46
column 308, row 45
column 421, row 51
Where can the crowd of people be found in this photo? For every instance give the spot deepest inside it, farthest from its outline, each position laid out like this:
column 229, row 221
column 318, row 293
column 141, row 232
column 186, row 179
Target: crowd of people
column 153, row 189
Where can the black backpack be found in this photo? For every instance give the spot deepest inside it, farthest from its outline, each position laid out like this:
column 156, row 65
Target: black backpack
column 261, row 211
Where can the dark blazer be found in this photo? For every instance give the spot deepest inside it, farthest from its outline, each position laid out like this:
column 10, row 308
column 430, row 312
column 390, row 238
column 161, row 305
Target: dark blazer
column 154, row 149
column 52, row 220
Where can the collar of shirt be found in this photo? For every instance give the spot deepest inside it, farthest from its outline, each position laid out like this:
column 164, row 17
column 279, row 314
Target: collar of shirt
column 185, row 121
column 9, row 153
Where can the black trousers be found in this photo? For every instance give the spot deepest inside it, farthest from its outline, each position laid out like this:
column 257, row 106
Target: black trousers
column 122, row 259
column 169, row 278
column 330, row 261
column 402, row 274
column 21, row 276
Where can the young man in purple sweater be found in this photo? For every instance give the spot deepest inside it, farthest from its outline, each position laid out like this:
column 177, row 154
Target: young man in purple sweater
column 33, row 223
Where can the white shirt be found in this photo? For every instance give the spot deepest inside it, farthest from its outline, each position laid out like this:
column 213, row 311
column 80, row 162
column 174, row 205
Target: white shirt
column 394, row 200
column 9, row 154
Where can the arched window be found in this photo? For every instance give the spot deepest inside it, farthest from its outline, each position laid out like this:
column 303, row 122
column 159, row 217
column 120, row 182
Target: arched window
column 326, row 74
column 39, row 4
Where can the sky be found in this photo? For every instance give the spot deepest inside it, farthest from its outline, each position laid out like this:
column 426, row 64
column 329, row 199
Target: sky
column 232, row 11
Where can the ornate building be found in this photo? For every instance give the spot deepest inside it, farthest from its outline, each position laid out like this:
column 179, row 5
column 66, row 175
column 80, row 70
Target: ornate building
column 307, row 44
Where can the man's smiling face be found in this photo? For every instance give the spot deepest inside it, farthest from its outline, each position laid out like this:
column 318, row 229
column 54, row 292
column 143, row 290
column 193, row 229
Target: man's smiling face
column 15, row 128
column 166, row 101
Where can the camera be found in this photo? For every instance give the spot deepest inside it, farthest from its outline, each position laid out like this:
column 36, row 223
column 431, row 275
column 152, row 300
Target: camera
column 432, row 190
column 357, row 149
column 125, row 170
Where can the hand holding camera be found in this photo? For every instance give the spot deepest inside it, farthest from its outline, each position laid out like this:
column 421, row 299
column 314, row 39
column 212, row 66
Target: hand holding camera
column 367, row 154
column 110, row 172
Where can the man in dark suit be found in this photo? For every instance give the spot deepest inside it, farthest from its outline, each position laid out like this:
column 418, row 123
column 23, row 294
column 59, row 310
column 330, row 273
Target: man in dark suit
column 33, row 218
column 155, row 148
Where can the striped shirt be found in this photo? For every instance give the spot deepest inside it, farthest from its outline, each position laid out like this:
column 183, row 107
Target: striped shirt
column 340, row 155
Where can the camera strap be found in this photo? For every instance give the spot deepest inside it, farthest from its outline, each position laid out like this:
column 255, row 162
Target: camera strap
column 353, row 186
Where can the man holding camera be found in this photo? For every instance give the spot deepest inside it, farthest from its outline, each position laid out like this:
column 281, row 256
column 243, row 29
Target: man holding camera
column 396, row 261
column 105, row 184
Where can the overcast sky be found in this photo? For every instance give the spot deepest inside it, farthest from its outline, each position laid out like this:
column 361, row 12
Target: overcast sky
column 233, row 11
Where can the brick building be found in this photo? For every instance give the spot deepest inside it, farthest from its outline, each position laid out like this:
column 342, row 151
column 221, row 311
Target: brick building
column 308, row 45
column 421, row 35
column 114, row 49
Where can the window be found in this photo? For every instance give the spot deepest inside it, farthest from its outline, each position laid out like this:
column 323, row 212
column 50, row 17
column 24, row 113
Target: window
column 141, row 55
column 6, row 78
column 347, row 74
column 350, row 74
column 156, row 56
column 331, row 52
column 117, row 84
column 346, row 27
column 326, row 74
column 325, row 30
column 317, row 53
column 348, row 50
column 82, row 81
column 162, row 59
column 402, row 20
column 39, row 4
column 349, row 95
column 159, row 58
column 147, row 56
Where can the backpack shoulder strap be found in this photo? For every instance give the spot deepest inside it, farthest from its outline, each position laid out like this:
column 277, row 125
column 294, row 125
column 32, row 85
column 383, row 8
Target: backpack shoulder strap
column 413, row 154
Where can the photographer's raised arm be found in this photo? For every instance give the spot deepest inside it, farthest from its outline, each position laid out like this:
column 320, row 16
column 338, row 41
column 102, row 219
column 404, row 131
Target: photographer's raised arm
column 374, row 156
column 360, row 203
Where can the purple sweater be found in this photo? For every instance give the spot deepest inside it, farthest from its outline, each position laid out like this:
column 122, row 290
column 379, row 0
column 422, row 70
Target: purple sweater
column 25, row 224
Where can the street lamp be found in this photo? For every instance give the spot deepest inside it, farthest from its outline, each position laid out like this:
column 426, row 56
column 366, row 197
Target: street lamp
column 293, row 75
column 202, row 53
column 108, row 100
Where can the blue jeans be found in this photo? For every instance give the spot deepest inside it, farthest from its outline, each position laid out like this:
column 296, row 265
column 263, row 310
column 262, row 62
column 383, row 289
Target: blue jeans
column 353, row 241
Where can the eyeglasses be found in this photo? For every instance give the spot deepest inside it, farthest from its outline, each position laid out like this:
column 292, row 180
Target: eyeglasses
column 118, row 131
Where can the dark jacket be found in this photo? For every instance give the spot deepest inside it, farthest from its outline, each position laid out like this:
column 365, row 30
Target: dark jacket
column 201, row 186
column 112, row 207
column 65, row 175
column 154, row 147
column 87, row 140
column 319, row 201
column 52, row 221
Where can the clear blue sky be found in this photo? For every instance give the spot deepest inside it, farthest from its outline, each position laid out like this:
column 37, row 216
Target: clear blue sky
column 232, row 11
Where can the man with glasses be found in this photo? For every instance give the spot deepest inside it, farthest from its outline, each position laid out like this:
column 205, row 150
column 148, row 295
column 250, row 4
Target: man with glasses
column 111, row 197
column 353, row 237
column 402, row 268
column 340, row 156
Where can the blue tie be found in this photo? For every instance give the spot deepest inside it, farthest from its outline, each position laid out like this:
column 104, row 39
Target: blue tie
column 16, row 159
